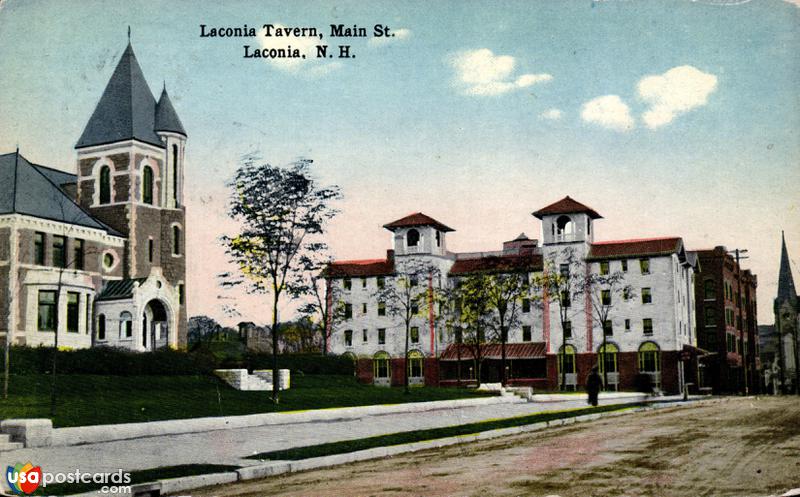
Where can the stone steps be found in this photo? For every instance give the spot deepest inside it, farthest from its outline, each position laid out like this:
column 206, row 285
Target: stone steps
column 6, row 444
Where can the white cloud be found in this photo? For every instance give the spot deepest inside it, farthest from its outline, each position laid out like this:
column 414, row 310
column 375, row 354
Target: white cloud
column 305, row 44
column 481, row 72
column 608, row 111
column 675, row 92
column 795, row 2
column 551, row 114
column 399, row 35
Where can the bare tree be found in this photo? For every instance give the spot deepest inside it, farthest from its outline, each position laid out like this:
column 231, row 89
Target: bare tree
column 405, row 295
column 282, row 213
column 323, row 309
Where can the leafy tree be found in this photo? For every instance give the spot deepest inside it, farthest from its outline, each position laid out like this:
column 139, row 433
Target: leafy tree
column 561, row 282
column 324, row 309
column 504, row 293
column 604, row 291
column 474, row 317
column 405, row 295
column 282, row 212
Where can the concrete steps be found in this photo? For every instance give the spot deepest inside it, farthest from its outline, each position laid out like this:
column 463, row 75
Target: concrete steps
column 6, row 444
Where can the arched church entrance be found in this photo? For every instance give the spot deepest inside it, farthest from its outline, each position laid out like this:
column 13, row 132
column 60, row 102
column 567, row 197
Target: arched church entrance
column 155, row 325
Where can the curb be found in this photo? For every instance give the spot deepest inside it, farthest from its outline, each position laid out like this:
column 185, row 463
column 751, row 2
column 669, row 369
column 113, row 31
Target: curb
column 274, row 468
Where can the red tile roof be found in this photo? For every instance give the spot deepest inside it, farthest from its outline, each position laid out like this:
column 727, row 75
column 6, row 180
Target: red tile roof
column 529, row 350
column 497, row 264
column 633, row 248
column 566, row 206
column 365, row 267
column 417, row 219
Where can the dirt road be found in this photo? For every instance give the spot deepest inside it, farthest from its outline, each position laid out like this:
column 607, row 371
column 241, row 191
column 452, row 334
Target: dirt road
column 740, row 447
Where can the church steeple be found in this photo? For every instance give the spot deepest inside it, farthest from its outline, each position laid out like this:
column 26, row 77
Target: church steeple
column 166, row 117
column 126, row 110
column 786, row 289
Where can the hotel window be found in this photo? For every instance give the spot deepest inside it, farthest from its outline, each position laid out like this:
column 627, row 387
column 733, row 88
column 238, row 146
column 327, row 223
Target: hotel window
column 47, row 310
column 381, row 336
column 363, row 282
column 381, row 365
column 644, row 266
column 414, row 332
column 364, row 336
column 105, row 185
column 73, row 312
column 604, row 268
column 77, row 253
column 526, row 305
column 565, row 300
column 627, row 325
column 710, row 316
column 38, row 248
column 415, row 364
column 413, row 281
column 381, row 308
column 649, row 358
column 59, row 251
column 526, row 334
column 605, row 297
column 101, row 327
column 647, row 297
column 147, row 185
column 348, row 311
column 567, row 329
column 438, row 239
column 563, row 269
column 381, row 282
column 626, row 294
column 647, row 326
column 347, row 283
column 363, row 308
column 624, row 265
column 412, row 238
column 348, row 338
column 608, row 328
column 414, row 309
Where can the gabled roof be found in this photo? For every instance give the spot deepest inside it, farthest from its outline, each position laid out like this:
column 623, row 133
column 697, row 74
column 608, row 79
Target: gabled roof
column 120, row 289
column 126, row 110
column 635, row 248
column 416, row 219
column 566, row 205
column 359, row 268
column 166, row 117
column 497, row 264
column 28, row 189
column 786, row 288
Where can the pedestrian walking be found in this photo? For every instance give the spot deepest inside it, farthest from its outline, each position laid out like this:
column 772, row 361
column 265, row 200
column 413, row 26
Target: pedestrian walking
column 593, row 383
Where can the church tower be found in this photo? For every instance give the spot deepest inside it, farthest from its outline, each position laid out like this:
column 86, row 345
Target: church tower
column 130, row 176
column 787, row 322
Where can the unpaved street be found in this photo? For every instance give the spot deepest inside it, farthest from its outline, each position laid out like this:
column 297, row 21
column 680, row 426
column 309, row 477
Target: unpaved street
column 739, row 447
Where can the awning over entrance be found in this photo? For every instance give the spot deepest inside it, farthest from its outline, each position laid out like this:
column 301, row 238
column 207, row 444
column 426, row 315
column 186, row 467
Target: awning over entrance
column 528, row 350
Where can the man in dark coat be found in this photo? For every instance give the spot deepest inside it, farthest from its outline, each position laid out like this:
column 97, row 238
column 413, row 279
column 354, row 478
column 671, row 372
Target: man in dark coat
column 593, row 383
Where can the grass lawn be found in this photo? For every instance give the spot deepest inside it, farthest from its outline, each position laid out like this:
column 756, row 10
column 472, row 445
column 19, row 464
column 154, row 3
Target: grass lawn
column 405, row 437
column 91, row 400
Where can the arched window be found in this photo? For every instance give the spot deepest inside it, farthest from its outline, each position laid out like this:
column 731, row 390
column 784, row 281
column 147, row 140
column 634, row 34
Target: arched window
column 566, row 359
column 125, row 325
column 415, row 364
column 380, row 365
column 608, row 358
column 709, row 290
column 101, row 327
column 105, row 185
column 176, row 240
column 564, row 227
column 412, row 238
column 649, row 358
column 147, row 185
column 175, row 174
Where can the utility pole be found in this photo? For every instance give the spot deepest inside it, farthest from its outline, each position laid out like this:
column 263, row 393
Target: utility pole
column 743, row 373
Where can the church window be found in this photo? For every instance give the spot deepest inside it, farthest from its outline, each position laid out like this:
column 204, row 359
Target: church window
column 77, row 253
column 150, row 250
column 59, row 251
column 176, row 240
column 126, row 325
column 175, row 175
column 412, row 238
column 38, row 248
column 101, row 327
column 147, row 185
column 105, row 185
column 73, row 306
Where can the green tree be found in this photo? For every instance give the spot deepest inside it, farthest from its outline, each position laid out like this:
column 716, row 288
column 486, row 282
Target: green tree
column 282, row 213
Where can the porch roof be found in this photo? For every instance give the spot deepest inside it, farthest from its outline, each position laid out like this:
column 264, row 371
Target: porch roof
column 527, row 350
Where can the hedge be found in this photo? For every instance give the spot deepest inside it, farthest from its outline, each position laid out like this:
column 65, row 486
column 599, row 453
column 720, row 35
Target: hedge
column 164, row 362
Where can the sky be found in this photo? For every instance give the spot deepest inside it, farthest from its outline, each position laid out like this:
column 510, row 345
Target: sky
column 677, row 118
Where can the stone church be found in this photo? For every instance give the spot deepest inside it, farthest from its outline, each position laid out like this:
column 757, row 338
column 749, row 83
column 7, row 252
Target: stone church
column 97, row 257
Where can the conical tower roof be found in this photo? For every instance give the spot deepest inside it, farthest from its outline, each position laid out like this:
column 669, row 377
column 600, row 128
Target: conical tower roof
column 126, row 110
column 786, row 289
column 166, row 117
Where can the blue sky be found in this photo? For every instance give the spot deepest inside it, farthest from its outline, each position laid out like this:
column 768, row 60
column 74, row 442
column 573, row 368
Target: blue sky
column 669, row 118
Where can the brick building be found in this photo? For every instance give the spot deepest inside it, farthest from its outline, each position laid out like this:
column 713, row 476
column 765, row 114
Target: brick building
column 644, row 335
column 98, row 256
column 727, row 323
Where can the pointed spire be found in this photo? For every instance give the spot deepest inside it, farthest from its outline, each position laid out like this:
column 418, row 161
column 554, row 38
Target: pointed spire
column 786, row 289
column 129, row 34
column 166, row 117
